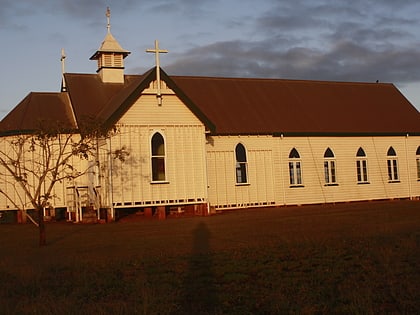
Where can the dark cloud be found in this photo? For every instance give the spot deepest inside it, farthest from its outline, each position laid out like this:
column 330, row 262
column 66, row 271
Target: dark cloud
column 342, row 40
column 9, row 10
column 79, row 10
column 343, row 61
column 192, row 9
column 321, row 40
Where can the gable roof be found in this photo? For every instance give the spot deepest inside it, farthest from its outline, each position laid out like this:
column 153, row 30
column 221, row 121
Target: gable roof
column 39, row 110
column 94, row 100
column 294, row 107
column 230, row 105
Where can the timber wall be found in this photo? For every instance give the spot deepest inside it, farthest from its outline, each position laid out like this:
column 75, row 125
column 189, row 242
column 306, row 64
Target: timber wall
column 185, row 167
column 268, row 170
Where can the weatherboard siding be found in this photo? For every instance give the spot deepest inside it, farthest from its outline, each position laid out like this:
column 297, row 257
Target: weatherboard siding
column 146, row 111
column 224, row 192
column 201, row 169
column 184, row 136
column 314, row 189
column 268, row 170
column 14, row 191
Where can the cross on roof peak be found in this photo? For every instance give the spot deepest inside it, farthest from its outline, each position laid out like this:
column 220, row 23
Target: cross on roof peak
column 108, row 19
column 157, row 51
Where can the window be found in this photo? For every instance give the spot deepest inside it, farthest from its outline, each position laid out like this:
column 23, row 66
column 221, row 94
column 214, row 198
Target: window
column 329, row 168
column 418, row 162
column 361, row 167
column 392, row 165
column 295, row 169
column 158, row 158
column 241, row 164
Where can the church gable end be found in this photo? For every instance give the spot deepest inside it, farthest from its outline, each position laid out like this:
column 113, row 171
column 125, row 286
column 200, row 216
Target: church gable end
column 147, row 111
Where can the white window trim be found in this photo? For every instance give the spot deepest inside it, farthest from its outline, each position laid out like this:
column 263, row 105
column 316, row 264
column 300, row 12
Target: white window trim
column 165, row 157
column 394, row 174
column 237, row 164
column 363, row 174
column 296, row 175
column 331, row 165
column 418, row 167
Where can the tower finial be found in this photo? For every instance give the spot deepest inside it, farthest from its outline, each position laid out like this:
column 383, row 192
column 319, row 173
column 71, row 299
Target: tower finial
column 108, row 18
column 63, row 57
column 63, row 70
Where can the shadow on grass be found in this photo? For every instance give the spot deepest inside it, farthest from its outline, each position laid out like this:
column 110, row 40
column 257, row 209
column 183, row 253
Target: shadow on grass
column 64, row 234
column 199, row 292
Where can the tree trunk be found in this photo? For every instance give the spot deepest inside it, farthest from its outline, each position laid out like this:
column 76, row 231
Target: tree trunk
column 42, row 232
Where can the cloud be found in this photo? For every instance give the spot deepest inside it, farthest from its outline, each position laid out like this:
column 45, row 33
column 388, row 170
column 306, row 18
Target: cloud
column 9, row 10
column 192, row 9
column 80, row 10
column 300, row 39
column 320, row 40
column 342, row 61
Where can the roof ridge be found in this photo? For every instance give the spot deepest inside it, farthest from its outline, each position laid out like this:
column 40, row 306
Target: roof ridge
column 278, row 79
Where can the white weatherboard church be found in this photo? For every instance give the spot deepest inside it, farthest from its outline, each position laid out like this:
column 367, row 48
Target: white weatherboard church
column 202, row 144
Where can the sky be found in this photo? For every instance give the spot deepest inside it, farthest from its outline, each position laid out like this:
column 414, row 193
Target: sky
column 335, row 40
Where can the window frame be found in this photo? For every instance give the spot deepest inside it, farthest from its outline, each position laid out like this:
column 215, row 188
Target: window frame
column 330, row 168
column 156, row 160
column 295, row 169
column 241, row 165
column 361, row 167
column 418, row 162
column 392, row 166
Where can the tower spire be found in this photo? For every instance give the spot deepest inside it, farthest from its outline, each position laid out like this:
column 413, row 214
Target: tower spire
column 110, row 56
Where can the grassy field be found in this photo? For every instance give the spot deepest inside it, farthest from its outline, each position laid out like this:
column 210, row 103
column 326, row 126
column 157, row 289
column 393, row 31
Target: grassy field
column 359, row 258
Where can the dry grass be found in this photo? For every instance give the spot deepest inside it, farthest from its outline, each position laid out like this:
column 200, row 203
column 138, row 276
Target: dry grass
column 359, row 258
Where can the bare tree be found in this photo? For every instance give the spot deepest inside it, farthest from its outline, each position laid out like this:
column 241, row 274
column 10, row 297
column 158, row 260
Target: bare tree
column 34, row 162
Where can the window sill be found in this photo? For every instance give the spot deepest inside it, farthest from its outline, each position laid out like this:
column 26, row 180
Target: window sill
column 159, row 182
column 242, row 184
column 296, row 186
column 394, row 181
column 363, row 183
column 332, row 184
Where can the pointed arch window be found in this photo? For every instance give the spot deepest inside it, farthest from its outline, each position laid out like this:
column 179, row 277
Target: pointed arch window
column 392, row 165
column 361, row 166
column 295, row 168
column 241, row 164
column 329, row 168
column 418, row 162
column 158, row 158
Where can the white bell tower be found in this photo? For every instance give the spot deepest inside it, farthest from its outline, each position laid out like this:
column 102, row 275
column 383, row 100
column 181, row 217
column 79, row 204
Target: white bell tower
column 110, row 57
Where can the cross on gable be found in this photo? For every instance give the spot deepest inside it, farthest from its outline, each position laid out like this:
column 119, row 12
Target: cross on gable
column 157, row 51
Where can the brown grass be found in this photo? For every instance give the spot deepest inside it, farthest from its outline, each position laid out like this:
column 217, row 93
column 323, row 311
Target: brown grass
column 357, row 258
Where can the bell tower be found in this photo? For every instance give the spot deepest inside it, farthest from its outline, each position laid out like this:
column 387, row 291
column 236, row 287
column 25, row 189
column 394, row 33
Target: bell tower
column 110, row 57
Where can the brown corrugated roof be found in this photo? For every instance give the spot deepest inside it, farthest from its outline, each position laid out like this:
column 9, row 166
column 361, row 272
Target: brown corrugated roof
column 88, row 94
column 94, row 100
column 268, row 106
column 232, row 105
column 39, row 110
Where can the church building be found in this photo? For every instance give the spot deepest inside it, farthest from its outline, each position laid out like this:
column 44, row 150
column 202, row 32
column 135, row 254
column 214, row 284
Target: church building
column 205, row 144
